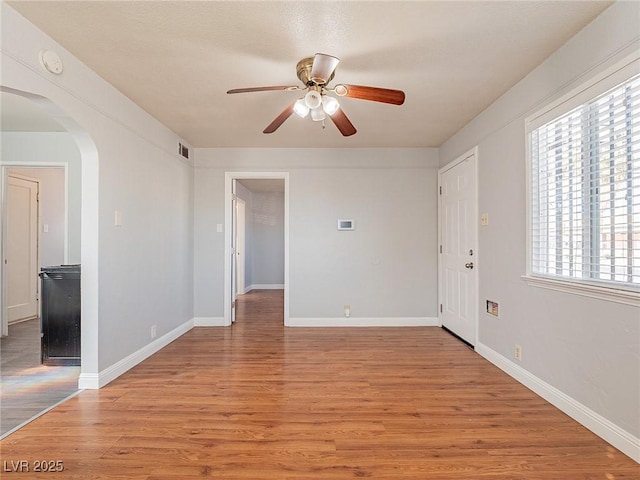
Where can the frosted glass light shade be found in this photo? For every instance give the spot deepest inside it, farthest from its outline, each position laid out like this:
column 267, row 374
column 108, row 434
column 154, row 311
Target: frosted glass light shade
column 330, row 105
column 317, row 114
column 313, row 99
column 300, row 108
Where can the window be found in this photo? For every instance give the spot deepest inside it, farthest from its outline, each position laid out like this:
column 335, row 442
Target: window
column 585, row 190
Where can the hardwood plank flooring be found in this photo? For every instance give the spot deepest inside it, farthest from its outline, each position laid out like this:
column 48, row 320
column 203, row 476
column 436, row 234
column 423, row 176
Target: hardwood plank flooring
column 27, row 388
column 257, row 401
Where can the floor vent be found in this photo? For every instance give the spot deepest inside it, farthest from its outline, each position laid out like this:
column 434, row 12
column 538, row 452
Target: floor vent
column 183, row 150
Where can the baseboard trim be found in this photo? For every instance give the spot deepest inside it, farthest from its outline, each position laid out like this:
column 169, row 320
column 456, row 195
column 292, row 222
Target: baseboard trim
column 607, row 430
column 364, row 322
column 93, row 381
column 209, row 322
column 264, row 286
column 89, row 381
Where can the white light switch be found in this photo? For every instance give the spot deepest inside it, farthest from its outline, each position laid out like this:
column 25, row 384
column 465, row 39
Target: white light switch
column 45, row 228
column 484, row 219
column 118, row 218
column 219, row 228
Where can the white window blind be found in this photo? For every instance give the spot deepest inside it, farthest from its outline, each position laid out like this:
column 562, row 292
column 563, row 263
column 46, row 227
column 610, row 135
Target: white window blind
column 585, row 191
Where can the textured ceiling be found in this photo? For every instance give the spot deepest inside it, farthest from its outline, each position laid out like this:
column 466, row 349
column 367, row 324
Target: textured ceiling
column 178, row 59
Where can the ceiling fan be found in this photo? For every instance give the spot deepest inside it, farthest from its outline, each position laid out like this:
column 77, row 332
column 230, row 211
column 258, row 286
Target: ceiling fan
column 315, row 73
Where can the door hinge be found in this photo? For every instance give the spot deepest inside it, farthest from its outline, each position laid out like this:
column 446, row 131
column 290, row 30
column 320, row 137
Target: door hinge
column 440, row 308
column 440, row 248
column 440, row 190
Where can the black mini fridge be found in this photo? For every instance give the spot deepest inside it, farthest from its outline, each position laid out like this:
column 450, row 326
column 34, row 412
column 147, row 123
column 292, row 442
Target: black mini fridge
column 60, row 319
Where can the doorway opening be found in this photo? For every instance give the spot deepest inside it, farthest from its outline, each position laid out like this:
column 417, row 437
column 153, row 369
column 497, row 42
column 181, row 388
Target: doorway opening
column 256, row 237
column 43, row 145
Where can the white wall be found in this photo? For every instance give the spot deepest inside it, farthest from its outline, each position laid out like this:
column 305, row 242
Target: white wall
column 57, row 148
column 267, row 238
column 386, row 268
column 141, row 273
column 588, row 350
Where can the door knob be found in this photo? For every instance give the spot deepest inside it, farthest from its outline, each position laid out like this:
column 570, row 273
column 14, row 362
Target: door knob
column 469, row 265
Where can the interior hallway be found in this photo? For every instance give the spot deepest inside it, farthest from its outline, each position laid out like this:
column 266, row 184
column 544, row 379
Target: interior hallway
column 260, row 401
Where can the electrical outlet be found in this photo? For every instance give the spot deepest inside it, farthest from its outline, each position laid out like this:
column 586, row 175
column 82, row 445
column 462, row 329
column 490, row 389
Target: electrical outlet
column 517, row 352
column 153, row 331
column 347, row 310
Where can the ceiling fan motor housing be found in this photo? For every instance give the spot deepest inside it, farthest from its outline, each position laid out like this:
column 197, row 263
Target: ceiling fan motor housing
column 303, row 70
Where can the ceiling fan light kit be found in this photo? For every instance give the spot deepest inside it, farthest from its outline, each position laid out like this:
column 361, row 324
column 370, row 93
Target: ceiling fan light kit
column 313, row 99
column 315, row 73
column 330, row 105
column 300, row 108
column 318, row 115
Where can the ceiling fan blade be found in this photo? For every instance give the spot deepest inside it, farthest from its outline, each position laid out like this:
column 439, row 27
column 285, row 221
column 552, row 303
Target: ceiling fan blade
column 323, row 67
column 279, row 120
column 264, row 89
column 375, row 94
column 343, row 123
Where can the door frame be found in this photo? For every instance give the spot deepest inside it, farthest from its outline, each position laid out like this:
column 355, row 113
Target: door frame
column 229, row 177
column 4, row 178
column 475, row 215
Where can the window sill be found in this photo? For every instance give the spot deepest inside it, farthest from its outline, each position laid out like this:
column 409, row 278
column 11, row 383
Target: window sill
column 626, row 297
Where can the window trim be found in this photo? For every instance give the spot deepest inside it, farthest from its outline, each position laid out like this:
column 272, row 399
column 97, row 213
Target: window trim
column 584, row 288
column 596, row 85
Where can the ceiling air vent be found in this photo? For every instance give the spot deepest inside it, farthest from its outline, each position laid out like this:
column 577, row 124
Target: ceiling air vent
column 183, row 150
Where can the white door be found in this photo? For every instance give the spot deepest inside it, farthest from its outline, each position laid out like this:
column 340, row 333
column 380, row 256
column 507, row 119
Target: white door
column 22, row 248
column 240, row 246
column 458, row 247
column 234, row 239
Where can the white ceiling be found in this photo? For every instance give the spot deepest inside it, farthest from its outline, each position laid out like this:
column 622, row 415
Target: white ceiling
column 177, row 59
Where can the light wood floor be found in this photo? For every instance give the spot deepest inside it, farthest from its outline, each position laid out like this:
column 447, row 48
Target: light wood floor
column 27, row 387
column 258, row 401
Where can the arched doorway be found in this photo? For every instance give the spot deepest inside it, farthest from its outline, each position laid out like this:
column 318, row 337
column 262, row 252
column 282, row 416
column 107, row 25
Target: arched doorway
column 81, row 226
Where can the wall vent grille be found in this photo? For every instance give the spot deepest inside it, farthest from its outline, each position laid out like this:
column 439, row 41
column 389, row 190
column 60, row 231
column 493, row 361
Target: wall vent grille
column 183, row 150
